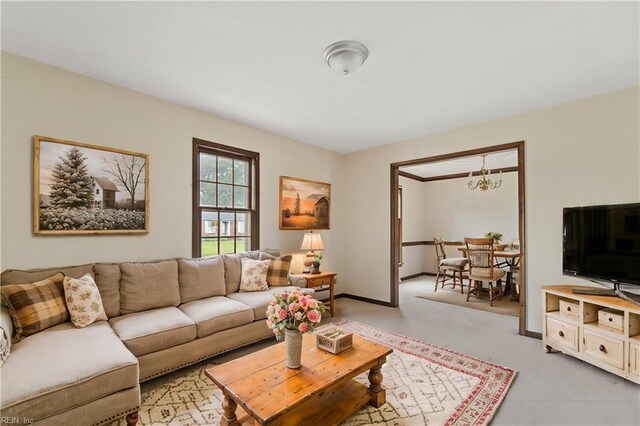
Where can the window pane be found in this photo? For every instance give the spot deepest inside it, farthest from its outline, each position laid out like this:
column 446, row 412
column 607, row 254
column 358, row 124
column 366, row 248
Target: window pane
column 240, row 172
column 225, row 170
column 243, row 224
column 207, row 194
column 225, row 195
column 242, row 244
column 207, row 167
column 209, row 247
column 227, row 225
column 226, row 245
column 240, row 197
column 209, row 226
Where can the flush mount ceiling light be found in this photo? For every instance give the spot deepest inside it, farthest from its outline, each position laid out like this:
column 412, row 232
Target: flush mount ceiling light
column 346, row 56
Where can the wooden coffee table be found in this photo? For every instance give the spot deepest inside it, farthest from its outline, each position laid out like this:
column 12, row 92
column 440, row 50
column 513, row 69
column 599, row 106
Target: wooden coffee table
column 322, row 389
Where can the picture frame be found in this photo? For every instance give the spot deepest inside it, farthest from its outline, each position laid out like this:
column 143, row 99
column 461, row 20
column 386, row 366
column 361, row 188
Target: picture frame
column 304, row 204
column 85, row 189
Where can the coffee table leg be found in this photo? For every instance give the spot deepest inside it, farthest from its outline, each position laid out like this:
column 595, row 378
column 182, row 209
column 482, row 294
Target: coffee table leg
column 229, row 417
column 377, row 392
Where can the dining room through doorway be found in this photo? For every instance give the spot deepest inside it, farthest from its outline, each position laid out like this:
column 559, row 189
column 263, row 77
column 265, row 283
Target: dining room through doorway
column 472, row 195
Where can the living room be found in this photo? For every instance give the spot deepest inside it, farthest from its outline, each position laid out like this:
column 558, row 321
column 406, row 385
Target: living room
column 151, row 77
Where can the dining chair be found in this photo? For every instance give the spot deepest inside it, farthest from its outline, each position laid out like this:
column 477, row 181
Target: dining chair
column 449, row 269
column 481, row 268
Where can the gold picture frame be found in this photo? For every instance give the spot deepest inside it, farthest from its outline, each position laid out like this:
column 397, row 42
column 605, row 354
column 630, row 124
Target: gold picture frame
column 84, row 189
column 309, row 208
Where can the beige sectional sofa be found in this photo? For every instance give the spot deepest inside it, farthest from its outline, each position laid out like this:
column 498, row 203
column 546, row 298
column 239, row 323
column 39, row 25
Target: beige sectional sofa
column 163, row 315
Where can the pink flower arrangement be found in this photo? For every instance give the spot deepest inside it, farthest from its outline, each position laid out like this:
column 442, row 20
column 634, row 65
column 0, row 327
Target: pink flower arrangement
column 293, row 311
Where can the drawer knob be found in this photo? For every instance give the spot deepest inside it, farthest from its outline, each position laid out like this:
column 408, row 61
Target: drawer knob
column 560, row 333
column 602, row 348
column 569, row 308
column 610, row 319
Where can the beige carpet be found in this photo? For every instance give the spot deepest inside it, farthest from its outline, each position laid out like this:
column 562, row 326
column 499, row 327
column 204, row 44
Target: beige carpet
column 426, row 385
column 504, row 306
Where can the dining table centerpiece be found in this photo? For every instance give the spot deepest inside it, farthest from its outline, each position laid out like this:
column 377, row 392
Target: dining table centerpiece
column 289, row 315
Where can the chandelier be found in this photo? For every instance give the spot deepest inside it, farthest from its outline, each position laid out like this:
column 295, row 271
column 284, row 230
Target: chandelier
column 485, row 182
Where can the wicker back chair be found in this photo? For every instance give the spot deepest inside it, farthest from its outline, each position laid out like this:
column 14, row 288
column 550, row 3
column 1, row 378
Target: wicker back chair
column 481, row 268
column 450, row 270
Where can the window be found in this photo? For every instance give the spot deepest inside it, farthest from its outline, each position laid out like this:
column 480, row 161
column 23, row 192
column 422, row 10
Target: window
column 225, row 204
column 97, row 191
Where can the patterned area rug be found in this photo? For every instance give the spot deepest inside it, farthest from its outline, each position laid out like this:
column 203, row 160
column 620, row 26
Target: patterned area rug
column 426, row 385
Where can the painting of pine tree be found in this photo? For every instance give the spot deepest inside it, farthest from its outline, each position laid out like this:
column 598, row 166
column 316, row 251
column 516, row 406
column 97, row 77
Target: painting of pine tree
column 304, row 204
column 88, row 189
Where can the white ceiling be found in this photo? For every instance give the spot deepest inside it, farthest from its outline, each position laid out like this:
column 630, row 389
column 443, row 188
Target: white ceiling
column 432, row 65
column 494, row 160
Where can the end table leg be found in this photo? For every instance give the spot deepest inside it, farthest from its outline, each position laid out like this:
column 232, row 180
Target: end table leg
column 331, row 297
column 229, row 417
column 378, row 394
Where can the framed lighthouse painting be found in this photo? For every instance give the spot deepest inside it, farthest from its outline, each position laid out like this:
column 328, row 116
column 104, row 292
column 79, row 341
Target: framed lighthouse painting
column 80, row 188
column 304, row 204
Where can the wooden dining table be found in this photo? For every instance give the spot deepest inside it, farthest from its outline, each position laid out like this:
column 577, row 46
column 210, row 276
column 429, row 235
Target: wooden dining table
column 511, row 260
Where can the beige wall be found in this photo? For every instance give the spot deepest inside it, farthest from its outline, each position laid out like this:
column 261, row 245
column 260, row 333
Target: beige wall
column 579, row 153
column 453, row 212
column 413, row 224
column 40, row 99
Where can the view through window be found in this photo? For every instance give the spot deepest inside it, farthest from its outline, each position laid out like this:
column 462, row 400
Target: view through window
column 225, row 207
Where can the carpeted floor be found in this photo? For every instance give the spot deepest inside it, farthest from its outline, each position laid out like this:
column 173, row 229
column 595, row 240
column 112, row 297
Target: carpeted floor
column 504, row 306
column 425, row 385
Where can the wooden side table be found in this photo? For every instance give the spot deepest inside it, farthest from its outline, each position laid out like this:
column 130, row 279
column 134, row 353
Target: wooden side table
column 325, row 280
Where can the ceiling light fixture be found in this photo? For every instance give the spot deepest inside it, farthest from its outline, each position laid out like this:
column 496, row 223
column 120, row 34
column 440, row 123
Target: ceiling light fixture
column 346, row 56
column 485, row 182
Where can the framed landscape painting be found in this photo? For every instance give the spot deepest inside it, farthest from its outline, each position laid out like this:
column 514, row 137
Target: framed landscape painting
column 87, row 189
column 304, row 204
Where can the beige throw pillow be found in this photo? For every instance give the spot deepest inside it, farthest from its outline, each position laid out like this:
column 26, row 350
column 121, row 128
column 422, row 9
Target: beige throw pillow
column 83, row 301
column 253, row 276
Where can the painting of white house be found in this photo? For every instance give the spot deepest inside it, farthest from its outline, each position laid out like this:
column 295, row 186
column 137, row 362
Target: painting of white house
column 88, row 189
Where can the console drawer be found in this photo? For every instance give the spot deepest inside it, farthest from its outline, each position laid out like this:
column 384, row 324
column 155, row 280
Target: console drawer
column 570, row 309
column 611, row 318
column 605, row 349
column 562, row 333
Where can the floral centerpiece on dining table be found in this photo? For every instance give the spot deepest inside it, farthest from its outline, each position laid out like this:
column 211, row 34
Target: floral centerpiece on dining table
column 290, row 315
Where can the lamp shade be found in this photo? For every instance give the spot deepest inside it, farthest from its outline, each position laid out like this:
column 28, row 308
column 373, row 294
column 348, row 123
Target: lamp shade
column 312, row 241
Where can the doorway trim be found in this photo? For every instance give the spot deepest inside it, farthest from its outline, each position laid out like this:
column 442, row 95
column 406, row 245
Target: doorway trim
column 396, row 235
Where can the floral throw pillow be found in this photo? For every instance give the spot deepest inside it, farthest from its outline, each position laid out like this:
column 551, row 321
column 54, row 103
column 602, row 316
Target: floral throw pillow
column 254, row 275
column 83, row 301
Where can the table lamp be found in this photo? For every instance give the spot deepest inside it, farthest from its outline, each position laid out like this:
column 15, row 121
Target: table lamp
column 311, row 242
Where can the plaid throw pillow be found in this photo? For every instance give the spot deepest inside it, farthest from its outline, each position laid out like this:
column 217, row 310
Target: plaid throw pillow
column 278, row 273
column 34, row 307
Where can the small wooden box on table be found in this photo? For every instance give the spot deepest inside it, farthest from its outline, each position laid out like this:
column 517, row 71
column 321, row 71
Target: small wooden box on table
column 603, row 331
column 324, row 280
column 323, row 389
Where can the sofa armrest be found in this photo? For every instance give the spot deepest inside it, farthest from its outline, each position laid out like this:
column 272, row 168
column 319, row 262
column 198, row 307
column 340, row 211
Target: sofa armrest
column 298, row 281
column 6, row 328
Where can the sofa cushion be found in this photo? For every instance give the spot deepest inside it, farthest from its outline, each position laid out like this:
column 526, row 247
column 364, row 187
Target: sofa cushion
column 15, row 276
column 35, row 307
column 259, row 300
column 83, row 301
column 278, row 274
column 154, row 330
column 108, row 282
column 233, row 267
column 148, row 285
column 64, row 367
column 217, row 314
column 254, row 275
column 201, row 278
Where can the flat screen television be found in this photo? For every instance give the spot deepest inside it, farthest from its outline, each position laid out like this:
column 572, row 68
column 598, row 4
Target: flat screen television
column 603, row 243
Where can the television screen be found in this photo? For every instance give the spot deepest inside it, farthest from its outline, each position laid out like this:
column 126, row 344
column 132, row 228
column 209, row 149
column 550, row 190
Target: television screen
column 603, row 242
